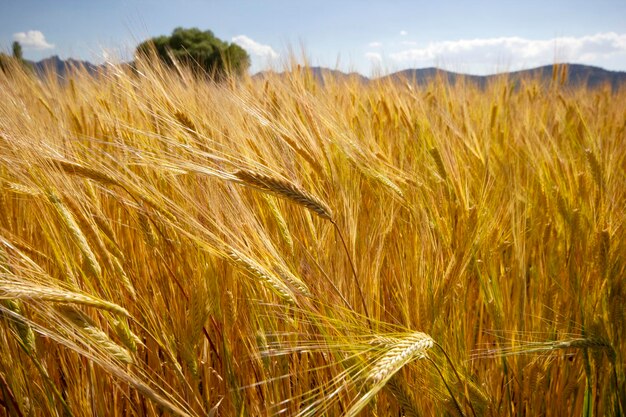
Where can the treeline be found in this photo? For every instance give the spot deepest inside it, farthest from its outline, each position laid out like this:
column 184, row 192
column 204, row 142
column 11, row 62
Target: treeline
column 201, row 51
column 16, row 56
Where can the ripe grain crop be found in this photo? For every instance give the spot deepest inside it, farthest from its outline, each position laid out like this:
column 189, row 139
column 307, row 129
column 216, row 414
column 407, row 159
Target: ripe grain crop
column 273, row 245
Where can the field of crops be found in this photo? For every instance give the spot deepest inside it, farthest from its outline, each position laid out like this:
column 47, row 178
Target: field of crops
column 261, row 247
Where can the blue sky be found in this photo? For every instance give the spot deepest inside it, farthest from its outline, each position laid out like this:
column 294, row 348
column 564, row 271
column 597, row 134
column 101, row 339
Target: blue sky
column 476, row 37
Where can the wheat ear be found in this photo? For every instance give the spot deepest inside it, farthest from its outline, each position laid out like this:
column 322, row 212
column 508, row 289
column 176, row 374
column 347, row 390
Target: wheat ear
column 293, row 280
column 88, row 328
column 78, row 234
column 299, row 196
column 13, row 290
column 83, row 171
column 280, row 221
column 126, row 336
column 22, row 328
column 593, row 343
column 275, row 284
column 405, row 399
column 403, row 351
column 285, row 189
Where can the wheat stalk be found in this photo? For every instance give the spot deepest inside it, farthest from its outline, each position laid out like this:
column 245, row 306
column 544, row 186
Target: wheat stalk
column 23, row 329
column 293, row 280
column 402, row 352
column 94, row 334
column 275, row 284
column 126, row 336
column 286, row 190
column 73, row 168
column 405, row 398
column 596, row 169
column 79, row 236
column 13, row 290
column 291, row 192
column 593, row 343
column 186, row 122
column 280, row 220
column 20, row 188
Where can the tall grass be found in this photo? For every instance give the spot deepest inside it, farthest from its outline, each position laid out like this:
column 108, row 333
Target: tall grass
column 274, row 246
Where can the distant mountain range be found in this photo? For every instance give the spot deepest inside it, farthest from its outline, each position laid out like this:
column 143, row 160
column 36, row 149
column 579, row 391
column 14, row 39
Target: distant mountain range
column 577, row 74
column 60, row 66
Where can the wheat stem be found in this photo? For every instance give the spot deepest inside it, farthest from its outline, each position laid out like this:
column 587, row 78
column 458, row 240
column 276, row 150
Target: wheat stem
column 354, row 274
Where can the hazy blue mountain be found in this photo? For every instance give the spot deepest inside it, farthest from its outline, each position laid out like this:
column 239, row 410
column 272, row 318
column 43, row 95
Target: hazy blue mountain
column 424, row 76
column 321, row 74
column 577, row 74
column 60, row 66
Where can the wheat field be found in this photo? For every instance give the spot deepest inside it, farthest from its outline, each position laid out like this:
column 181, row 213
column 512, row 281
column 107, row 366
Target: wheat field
column 269, row 247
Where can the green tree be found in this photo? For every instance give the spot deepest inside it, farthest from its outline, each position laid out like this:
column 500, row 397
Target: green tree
column 7, row 62
column 17, row 51
column 196, row 48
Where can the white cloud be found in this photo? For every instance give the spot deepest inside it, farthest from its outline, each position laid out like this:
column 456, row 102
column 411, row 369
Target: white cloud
column 374, row 57
column 477, row 51
column 403, row 33
column 33, row 39
column 255, row 48
column 375, row 44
